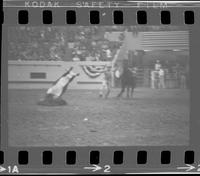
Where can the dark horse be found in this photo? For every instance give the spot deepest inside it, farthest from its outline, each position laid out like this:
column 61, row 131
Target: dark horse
column 128, row 81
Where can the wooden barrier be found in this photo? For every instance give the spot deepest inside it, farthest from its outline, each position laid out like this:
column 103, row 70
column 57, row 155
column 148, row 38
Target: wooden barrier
column 41, row 74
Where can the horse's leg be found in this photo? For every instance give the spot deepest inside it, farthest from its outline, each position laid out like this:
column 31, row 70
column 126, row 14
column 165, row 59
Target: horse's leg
column 127, row 91
column 108, row 90
column 102, row 89
column 107, row 93
column 122, row 91
column 132, row 90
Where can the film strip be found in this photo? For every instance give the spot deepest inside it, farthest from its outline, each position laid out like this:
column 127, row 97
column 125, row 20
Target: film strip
column 92, row 87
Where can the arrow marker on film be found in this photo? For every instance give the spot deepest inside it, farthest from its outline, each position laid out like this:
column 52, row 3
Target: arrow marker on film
column 2, row 169
column 187, row 168
column 94, row 168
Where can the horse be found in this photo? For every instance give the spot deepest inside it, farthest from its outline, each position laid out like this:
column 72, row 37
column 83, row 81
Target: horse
column 128, row 81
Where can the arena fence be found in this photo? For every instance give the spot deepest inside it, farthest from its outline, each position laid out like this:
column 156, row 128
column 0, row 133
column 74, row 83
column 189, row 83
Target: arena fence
column 41, row 74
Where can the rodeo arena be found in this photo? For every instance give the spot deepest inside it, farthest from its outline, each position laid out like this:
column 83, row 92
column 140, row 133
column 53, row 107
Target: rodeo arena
column 98, row 86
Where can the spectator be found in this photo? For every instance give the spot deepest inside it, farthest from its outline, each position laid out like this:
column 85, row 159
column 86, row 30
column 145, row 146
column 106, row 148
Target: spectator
column 97, row 56
column 153, row 79
column 183, row 84
column 108, row 53
column 157, row 65
column 89, row 58
column 161, row 83
column 51, row 43
column 76, row 58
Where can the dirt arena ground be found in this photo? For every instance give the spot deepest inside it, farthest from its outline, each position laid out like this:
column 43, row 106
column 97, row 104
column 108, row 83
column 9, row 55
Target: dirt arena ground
column 151, row 118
